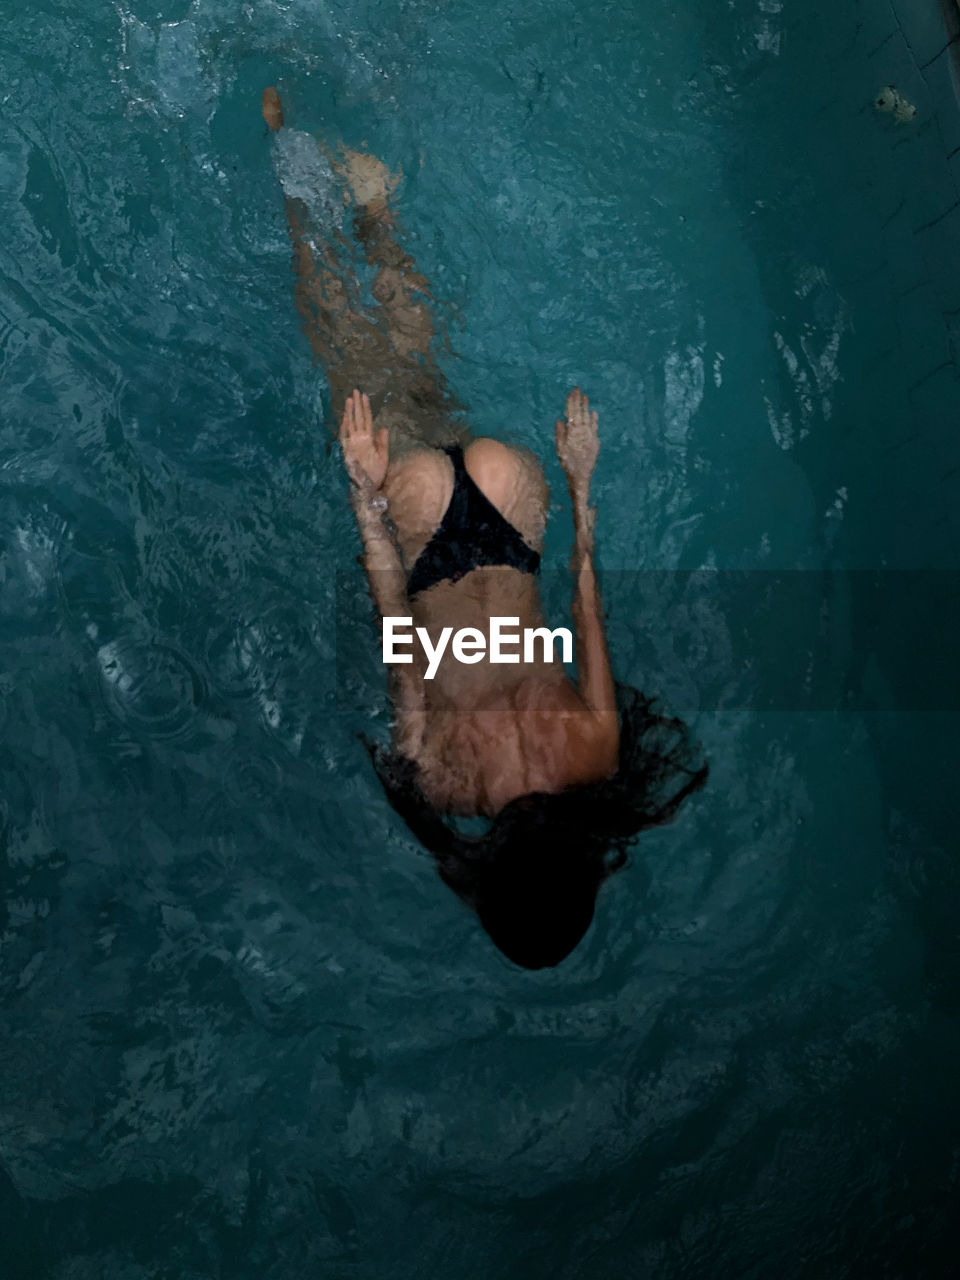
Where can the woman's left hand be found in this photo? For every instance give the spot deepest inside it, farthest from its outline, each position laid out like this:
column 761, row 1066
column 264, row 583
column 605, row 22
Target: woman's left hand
column 366, row 453
column 577, row 444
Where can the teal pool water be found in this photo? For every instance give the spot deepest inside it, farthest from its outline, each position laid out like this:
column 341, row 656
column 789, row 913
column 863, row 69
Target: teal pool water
column 246, row 1030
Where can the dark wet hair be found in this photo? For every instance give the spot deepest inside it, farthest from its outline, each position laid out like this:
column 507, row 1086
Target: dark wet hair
column 533, row 877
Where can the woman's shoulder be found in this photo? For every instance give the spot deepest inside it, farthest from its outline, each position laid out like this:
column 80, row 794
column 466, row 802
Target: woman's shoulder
column 574, row 744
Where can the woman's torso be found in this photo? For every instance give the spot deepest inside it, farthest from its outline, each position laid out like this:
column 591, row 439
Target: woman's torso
column 491, row 731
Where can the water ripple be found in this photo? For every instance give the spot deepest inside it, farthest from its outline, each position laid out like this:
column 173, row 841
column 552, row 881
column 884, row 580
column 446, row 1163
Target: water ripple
column 150, row 686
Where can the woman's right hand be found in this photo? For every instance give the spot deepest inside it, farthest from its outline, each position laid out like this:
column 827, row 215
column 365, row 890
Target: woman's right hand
column 366, row 453
column 577, row 443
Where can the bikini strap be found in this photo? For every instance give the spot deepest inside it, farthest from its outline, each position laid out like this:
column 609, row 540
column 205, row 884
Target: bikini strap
column 455, row 453
column 458, row 507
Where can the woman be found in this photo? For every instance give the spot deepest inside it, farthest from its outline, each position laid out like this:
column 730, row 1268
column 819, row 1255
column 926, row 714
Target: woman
column 452, row 529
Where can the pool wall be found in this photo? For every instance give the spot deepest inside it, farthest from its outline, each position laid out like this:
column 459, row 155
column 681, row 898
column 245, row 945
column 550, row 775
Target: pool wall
column 915, row 46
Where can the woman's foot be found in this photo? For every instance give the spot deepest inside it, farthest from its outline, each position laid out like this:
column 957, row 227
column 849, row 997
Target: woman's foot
column 272, row 108
column 370, row 182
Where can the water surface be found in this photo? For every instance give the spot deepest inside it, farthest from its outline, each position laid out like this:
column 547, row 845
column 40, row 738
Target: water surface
column 247, row 1031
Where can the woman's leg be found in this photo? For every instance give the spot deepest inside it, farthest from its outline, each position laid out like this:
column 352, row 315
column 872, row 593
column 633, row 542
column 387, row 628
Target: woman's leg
column 385, row 351
column 419, row 394
column 351, row 346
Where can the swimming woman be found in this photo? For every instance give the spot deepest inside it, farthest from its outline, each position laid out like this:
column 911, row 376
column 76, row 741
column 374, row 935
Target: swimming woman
column 452, row 529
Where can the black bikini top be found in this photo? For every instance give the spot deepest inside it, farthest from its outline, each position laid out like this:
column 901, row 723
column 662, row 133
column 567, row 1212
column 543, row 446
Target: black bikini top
column 472, row 534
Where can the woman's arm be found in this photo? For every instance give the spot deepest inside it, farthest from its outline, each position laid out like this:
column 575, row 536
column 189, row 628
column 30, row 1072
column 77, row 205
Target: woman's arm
column 381, row 559
column 366, row 457
column 577, row 449
column 594, row 676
